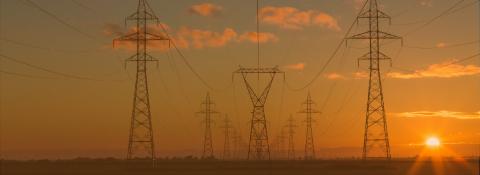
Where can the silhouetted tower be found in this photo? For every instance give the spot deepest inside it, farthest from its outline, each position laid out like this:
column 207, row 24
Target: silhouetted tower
column 141, row 133
column 235, row 137
column 291, row 148
column 376, row 125
column 226, row 147
column 274, row 148
column 309, row 146
column 207, row 145
column 258, row 147
column 282, row 137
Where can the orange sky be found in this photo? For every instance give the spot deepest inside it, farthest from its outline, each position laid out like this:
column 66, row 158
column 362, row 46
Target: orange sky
column 425, row 95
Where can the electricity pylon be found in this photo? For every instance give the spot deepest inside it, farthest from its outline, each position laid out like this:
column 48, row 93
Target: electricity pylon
column 207, row 145
column 291, row 148
column 141, row 133
column 274, row 148
column 258, row 147
column 281, row 141
column 226, row 147
column 235, row 137
column 309, row 146
column 376, row 125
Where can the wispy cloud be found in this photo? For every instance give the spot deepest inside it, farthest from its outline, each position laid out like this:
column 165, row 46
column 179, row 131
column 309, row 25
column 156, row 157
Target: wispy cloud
column 295, row 66
column 263, row 37
column 207, row 38
column 448, row 114
column 427, row 3
column 292, row 18
column 186, row 37
column 205, row 10
column 444, row 70
column 442, row 45
column 333, row 76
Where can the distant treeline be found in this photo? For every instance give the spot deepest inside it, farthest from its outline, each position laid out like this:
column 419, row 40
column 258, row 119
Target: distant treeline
column 111, row 159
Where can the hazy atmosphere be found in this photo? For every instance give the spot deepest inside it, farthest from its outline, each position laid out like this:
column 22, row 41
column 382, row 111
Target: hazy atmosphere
column 66, row 89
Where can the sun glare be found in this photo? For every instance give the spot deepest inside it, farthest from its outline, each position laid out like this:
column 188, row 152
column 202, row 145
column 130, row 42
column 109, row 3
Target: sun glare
column 433, row 142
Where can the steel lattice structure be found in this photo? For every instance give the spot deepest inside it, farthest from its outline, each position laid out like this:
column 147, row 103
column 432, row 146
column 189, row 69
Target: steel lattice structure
column 207, row 145
column 376, row 125
column 236, row 143
column 282, row 138
column 226, row 147
column 258, row 147
column 309, row 146
column 291, row 148
column 141, row 133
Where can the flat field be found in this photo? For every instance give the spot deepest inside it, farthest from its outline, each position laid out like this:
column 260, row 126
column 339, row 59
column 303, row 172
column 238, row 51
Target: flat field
column 329, row 167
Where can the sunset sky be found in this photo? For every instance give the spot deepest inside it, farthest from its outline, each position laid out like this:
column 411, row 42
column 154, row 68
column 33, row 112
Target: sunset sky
column 425, row 95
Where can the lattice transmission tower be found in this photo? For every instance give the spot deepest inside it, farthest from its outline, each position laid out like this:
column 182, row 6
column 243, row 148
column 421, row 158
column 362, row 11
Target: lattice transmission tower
column 226, row 147
column 309, row 145
column 291, row 149
column 207, row 145
column 258, row 146
column 236, row 145
column 281, row 140
column 376, row 124
column 141, row 133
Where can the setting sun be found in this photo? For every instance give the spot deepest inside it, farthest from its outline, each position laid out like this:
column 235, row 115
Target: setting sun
column 433, row 142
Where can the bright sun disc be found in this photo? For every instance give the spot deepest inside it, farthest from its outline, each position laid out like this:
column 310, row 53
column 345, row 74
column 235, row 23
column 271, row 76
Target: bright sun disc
column 433, row 142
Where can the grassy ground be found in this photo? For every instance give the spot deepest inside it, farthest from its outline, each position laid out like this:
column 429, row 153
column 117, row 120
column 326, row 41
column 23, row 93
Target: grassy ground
column 328, row 167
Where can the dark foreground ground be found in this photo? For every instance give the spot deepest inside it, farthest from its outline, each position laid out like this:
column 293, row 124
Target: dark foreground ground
column 241, row 167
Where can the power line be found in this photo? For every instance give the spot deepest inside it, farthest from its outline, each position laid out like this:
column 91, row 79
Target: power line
column 81, row 23
column 439, row 66
column 438, row 47
column 226, row 47
column 441, row 16
column 58, row 50
column 98, row 14
column 58, row 73
column 331, row 56
column 173, row 43
column 293, row 38
column 64, row 22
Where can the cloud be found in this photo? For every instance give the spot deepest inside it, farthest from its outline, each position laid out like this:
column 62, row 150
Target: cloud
column 442, row 45
column 207, row 38
column 428, row 4
column 447, row 114
column 295, row 66
column 360, row 75
column 185, row 37
column 357, row 4
column 292, row 18
column 437, row 70
column 334, row 76
column 205, row 10
column 323, row 19
column 151, row 45
column 263, row 37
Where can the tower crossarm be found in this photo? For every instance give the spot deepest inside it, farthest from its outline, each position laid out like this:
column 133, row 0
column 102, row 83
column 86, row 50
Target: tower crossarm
column 140, row 16
column 369, row 14
column 309, row 111
column 381, row 35
column 261, row 70
column 368, row 56
column 134, row 37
